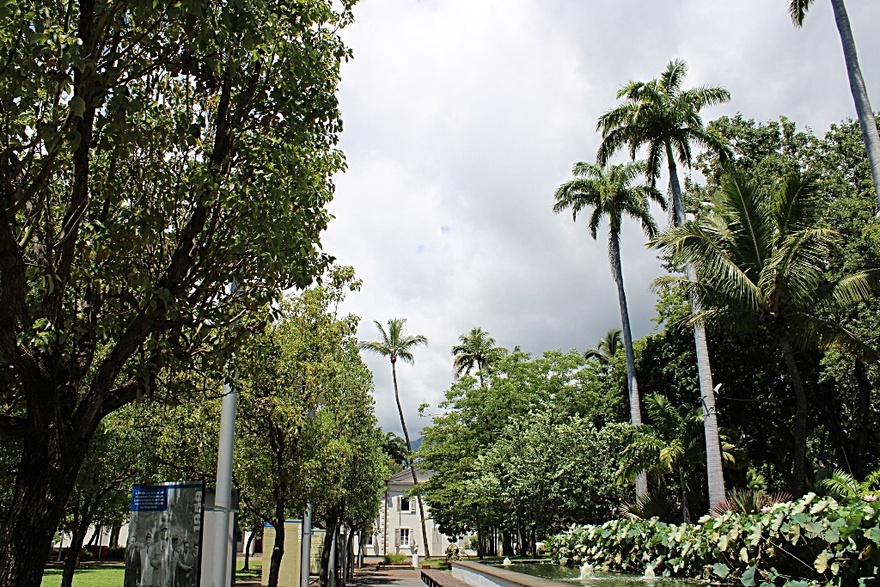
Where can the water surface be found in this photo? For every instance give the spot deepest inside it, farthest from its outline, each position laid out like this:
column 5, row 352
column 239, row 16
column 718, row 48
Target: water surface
column 599, row 578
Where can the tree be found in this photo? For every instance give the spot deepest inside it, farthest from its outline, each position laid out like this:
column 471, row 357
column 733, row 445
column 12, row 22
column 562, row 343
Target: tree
column 395, row 345
column 475, row 350
column 151, row 158
column 611, row 193
column 672, row 443
column 465, row 497
column 666, row 119
column 305, row 402
column 608, row 346
column 118, row 457
column 761, row 263
column 798, row 10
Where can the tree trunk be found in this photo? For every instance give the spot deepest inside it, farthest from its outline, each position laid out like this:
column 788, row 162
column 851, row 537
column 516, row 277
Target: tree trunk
column 326, row 552
column 859, row 92
column 113, row 541
column 76, row 542
column 247, row 549
column 799, row 452
column 635, row 409
column 50, row 460
column 277, row 552
column 506, row 543
column 862, row 423
column 409, row 462
column 714, row 467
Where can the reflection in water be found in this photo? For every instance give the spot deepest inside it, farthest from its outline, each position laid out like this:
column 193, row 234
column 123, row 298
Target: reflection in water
column 587, row 575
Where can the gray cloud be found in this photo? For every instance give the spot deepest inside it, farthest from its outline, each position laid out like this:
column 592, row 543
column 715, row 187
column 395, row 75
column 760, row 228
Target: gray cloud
column 462, row 118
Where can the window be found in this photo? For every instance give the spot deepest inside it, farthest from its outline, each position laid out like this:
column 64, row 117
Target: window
column 369, row 539
column 404, row 536
column 405, row 504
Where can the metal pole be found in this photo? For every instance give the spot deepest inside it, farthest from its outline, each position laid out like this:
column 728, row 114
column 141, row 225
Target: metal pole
column 306, row 542
column 223, row 492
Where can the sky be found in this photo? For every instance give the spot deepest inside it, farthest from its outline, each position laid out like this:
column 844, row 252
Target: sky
column 462, row 117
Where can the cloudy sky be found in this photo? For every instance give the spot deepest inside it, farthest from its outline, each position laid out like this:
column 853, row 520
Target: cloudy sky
column 462, row 117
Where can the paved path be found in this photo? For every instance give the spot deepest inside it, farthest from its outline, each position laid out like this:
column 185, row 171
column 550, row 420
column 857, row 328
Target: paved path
column 370, row 577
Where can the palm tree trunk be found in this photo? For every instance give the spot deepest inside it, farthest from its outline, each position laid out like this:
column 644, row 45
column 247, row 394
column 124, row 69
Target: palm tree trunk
column 714, row 468
column 859, row 92
column 798, row 469
column 412, row 466
column 635, row 410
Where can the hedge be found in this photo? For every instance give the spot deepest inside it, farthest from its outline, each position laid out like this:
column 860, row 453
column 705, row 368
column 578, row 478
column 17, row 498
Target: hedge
column 812, row 540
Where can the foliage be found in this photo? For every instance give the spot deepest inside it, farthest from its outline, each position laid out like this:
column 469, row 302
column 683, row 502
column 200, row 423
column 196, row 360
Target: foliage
column 813, row 539
column 749, row 501
column 515, row 405
column 151, row 158
column 475, row 350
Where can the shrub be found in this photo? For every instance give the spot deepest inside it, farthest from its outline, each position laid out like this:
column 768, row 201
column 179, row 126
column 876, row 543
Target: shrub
column 391, row 559
column 812, row 540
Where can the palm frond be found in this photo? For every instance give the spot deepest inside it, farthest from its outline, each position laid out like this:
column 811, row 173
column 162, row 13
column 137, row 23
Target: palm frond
column 797, row 9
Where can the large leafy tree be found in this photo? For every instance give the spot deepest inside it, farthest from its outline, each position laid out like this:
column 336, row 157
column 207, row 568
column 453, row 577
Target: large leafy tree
column 762, row 264
column 475, row 350
column 463, row 496
column 665, row 119
column 150, row 157
column 798, row 10
column 397, row 346
column 299, row 381
column 612, row 194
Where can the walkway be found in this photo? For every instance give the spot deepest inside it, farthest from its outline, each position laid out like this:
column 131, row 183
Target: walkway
column 370, row 577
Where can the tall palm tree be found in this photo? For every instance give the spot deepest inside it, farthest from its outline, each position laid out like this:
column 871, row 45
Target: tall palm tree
column 607, row 347
column 665, row 119
column 475, row 350
column 798, row 10
column 611, row 193
column 761, row 265
column 394, row 345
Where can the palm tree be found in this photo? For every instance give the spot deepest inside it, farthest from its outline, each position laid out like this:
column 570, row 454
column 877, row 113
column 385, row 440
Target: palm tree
column 607, row 347
column 612, row 193
column 475, row 350
column 664, row 118
column 672, row 443
column 394, row 345
column 798, row 10
column 762, row 266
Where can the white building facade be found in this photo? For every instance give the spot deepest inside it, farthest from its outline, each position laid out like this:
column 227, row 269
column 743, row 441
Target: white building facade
column 398, row 529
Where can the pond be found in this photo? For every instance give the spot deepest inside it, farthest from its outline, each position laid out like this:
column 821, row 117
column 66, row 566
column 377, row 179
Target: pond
column 596, row 578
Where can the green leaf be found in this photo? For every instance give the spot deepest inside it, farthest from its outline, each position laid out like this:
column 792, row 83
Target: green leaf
column 748, row 577
column 721, row 570
column 78, row 106
column 873, row 534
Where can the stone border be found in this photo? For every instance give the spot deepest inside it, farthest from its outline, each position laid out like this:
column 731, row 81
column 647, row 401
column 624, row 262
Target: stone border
column 480, row 575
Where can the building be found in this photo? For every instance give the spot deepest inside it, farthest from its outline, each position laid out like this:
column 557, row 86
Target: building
column 398, row 528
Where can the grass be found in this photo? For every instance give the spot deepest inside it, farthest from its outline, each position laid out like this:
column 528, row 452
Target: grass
column 96, row 575
column 255, row 569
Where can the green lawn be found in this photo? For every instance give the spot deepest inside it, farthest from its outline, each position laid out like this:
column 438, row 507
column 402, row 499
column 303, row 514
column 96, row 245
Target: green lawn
column 112, row 575
column 109, row 575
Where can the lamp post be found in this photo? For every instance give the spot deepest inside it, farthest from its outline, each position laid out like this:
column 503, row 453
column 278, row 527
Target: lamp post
column 306, row 539
column 223, row 491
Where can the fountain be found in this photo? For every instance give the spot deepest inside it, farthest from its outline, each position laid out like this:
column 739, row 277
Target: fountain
column 649, row 572
column 587, row 571
column 506, row 562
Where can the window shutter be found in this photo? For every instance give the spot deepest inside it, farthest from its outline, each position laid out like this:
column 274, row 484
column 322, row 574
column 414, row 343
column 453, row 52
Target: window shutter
column 397, row 537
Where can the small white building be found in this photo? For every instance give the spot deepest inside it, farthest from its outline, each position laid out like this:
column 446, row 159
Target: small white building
column 398, row 528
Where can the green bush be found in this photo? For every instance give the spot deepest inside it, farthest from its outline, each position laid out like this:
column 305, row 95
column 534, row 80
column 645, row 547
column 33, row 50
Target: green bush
column 391, row 559
column 812, row 540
